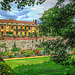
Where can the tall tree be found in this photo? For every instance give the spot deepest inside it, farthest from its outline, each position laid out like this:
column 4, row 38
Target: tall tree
column 60, row 21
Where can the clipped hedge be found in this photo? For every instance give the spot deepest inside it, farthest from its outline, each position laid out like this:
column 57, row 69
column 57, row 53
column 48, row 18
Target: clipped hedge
column 5, row 69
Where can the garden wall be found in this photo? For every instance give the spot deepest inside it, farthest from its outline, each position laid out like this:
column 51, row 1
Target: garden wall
column 23, row 42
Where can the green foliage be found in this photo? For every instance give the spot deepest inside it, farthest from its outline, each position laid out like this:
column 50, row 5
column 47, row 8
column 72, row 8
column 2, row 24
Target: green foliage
column 5, row 69
column 27, row 53
column 35, row 34
column 14, row 49
column 56, row 47
column 10, row 32
column 10, row 54
column 58, row 21
column 1, row 60
column 14, row 44
column 3, row 46
column 60, row 58
column 68, row 62
column 40, row 65
column 31, row 35
column 20, row 4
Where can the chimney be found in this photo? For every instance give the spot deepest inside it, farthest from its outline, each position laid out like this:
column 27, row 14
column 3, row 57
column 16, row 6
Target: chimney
column 33, row 20
column 11, row 19
column 36, row 22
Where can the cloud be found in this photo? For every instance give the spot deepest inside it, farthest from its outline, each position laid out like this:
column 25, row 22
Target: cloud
column 28, row 13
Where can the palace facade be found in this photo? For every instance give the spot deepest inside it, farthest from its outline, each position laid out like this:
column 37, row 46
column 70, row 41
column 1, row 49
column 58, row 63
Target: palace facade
column 14, row 27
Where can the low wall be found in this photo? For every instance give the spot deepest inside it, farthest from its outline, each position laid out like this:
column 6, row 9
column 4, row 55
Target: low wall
column 23, row 42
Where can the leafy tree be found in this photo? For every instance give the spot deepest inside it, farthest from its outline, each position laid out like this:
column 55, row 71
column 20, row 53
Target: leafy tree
column 56, row 47
column 60, row 21
column 5, row 5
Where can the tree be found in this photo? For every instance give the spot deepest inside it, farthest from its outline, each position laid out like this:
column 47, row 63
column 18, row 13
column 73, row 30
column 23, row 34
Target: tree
column 60, row 21
column 56, row 47
column 5, row 5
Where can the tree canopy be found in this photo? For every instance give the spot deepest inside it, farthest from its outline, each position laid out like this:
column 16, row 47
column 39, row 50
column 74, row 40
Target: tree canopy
column 59, row 21
column 5, row 4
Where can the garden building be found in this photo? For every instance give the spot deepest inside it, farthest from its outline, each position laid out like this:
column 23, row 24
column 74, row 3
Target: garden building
column 13, row 27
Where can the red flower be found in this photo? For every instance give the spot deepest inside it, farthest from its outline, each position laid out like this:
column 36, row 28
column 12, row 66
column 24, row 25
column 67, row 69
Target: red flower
column 35, row 50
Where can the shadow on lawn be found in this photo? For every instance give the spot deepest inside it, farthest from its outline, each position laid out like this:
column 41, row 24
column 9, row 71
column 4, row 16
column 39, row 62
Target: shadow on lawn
column 46, row 68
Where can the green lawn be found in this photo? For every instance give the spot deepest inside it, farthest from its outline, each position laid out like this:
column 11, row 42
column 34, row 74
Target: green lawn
column 38, row 66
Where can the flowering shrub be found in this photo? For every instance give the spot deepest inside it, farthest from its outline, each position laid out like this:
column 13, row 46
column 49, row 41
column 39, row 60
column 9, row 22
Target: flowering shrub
column 9, row 54
column 37, row 52
column 27, row 52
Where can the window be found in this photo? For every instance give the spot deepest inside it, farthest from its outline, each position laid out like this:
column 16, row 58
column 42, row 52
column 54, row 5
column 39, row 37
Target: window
column 16, row 32
column 21, row 33
column 6, row 32
column 2, row 32
column 21, row 27
column 11, row 27
column 16, row 27
column 2, row 27
column 29, row 28
column 29, row 33
column 25, row 28
column 25, row 33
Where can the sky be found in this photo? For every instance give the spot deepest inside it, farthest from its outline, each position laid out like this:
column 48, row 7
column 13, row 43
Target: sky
column 29, row 12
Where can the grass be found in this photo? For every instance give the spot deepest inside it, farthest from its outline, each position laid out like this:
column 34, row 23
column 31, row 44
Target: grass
column 38, row 66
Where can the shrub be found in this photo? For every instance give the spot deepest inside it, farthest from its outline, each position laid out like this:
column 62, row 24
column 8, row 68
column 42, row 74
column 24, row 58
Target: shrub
column 68, row 62
column 28, row 53
column 9, row 54
column 56, row 47
column 14, row 49
column 5, row 69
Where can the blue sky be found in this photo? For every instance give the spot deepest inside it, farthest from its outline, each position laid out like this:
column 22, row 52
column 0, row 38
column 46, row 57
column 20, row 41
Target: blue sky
column 28, row 13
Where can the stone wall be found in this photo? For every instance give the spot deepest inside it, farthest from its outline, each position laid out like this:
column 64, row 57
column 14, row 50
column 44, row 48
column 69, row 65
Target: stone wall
column 23, row 44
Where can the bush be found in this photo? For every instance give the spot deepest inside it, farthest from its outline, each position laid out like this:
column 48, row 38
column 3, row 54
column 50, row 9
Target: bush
column 68, row 62
column 5, row 69
column 56, row 47
column 14, row 49
column 28, row 53
column 9, row 54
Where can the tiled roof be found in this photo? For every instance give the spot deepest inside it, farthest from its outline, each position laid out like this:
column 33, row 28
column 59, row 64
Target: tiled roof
column 15, row 21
